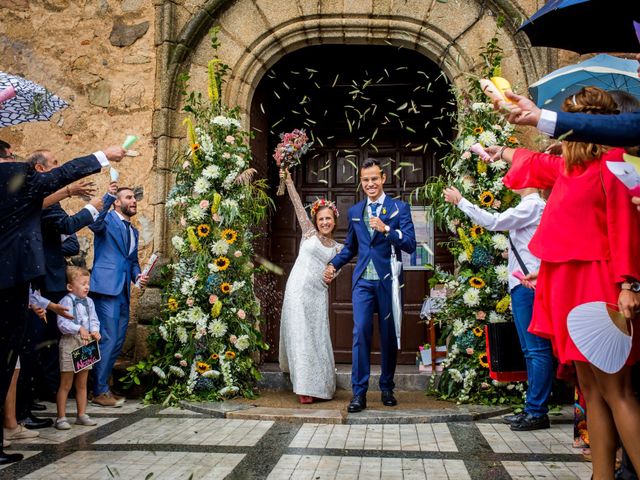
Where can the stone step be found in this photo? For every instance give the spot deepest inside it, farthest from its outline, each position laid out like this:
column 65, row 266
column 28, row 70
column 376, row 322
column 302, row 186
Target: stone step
column 407, row 378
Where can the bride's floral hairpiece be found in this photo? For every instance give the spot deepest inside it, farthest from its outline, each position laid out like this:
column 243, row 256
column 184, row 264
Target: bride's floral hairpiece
column 323, row 203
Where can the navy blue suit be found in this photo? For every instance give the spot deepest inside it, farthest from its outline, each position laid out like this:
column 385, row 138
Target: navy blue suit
column 621, row 130
column 22, row 191
column 374, row 296
column 114, row 268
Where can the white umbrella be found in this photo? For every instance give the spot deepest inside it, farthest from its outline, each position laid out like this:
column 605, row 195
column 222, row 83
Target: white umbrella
column 396, row 299
column 31, row 102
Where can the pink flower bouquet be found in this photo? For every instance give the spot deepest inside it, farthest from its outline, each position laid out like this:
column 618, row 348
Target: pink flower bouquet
column 289, row 152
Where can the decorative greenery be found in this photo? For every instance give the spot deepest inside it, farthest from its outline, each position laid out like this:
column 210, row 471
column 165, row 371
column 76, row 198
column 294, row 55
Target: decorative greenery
column 478, row 287
column 205, row 344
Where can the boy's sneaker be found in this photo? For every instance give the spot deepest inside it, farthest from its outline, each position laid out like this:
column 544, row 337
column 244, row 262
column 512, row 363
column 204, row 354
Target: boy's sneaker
column 5, row 443
column 106, row 400
column 62, row 424
column 19, row 433
column 86, row 420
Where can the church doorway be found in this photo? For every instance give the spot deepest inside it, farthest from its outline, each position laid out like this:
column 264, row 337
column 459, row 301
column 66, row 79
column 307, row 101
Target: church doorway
column 355, row 102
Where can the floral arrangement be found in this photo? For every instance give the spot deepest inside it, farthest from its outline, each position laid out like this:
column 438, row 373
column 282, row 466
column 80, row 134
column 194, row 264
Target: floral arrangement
column 205, row 344
column 478, row 287
column 288, row 153
column 324, row 203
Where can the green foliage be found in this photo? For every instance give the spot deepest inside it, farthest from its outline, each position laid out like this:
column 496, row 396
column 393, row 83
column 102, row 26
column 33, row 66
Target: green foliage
column 477, row 289
column 204, row 345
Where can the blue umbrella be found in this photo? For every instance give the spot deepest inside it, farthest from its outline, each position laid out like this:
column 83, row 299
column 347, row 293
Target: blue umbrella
column 603, row 71
column 585, row 26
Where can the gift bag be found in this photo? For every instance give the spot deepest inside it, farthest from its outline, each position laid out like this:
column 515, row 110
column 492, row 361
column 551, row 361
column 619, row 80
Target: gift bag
column 506, row 360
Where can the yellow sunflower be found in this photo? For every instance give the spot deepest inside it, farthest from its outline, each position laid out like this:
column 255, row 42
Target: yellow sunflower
column 229, row 235
column 222, row 263
column 214, row 356
column 478, row 130
column 225, row 287
column 195, row 147
column 486, row 198
column 477, row 331
column 476, row 282
column 229, row 355
column 172, row 304
column 512, row 139
column 203, row 230
column 483, row 360
column 476, row 231
column 202, row 367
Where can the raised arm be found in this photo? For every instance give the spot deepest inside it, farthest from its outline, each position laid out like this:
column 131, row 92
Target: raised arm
column 303, row 219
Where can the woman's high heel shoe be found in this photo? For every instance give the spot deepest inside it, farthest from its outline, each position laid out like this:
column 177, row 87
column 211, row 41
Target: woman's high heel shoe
column 305, row 399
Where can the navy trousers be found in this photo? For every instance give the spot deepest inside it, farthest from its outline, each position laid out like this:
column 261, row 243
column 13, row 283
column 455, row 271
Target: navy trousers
column 369, row 297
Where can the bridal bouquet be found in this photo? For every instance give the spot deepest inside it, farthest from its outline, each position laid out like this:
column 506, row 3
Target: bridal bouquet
column 289, row 152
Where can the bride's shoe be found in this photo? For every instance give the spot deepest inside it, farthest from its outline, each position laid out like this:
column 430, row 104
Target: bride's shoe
column 305, row 399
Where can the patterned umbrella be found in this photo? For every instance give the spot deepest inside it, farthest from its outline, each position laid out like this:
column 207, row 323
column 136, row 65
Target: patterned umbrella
column 31, row 103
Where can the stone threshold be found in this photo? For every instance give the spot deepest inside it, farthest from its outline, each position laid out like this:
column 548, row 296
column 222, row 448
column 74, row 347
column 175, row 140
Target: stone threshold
column 239, row 410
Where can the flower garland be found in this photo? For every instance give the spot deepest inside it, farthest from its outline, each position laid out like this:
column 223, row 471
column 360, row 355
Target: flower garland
column 478, row 286
column 206, row 341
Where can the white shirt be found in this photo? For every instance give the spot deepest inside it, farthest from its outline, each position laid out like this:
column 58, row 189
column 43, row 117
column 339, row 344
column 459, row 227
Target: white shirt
column 132, row 237
column 380, row 200
column 547, row 122
column 521, row 222
column 84, row 317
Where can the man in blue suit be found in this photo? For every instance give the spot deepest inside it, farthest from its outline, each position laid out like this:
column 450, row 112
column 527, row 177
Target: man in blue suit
column 115, row 267
column 376, row 225
column 22, row 191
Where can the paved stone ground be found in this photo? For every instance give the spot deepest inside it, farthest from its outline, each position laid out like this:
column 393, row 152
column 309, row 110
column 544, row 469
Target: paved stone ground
column 138, row 442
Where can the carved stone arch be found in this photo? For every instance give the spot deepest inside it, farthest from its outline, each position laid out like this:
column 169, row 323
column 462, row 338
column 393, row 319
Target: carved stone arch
column 289, row 25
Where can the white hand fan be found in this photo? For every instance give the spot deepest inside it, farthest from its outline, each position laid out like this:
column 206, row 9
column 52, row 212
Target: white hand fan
column 601, row 334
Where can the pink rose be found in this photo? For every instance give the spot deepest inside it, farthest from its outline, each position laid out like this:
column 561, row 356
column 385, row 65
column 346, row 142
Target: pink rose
column 469, row 351
column 186, row 165
column 241, row 314
column 466, row 155
column 230, row 139
column 204, row 204
column 456, row 221
column 178, row 355
column 226, row 155
column 215, row 217
column 183, row 363
column 213, row 299
column 497, row 203
column 190, row 301
column 233, row 339
column 480, row 315
column 237, row 254
column 484, row 385
column 183, row 222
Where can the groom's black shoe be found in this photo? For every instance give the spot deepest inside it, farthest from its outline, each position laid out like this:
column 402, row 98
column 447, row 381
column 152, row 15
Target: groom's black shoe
column 388, row 400
column 357, row 404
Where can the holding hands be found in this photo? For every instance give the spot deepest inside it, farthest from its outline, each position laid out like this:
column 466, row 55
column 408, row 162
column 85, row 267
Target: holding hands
column 329, row 274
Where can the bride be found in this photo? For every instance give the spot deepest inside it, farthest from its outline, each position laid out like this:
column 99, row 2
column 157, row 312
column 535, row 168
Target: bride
column 305, row 343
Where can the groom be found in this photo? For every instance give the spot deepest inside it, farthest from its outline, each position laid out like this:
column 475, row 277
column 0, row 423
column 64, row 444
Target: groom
column 376, row 225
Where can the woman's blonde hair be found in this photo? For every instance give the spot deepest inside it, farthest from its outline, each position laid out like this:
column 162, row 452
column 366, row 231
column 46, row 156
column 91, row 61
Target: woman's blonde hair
column 588, row 100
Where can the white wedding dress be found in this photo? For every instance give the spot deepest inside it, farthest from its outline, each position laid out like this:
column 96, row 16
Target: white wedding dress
column 305, row 342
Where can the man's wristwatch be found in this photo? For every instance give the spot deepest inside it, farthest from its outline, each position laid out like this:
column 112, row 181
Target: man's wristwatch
column 387, row 229
column 631, row 286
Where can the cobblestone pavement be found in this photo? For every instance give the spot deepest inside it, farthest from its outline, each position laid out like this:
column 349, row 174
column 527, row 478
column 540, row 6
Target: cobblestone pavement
column 138, row 442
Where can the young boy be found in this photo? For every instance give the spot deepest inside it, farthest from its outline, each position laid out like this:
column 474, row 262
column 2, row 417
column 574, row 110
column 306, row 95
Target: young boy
column 84, row 327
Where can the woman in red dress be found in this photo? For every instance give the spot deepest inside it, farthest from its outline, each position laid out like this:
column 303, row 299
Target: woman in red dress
column 589, row 244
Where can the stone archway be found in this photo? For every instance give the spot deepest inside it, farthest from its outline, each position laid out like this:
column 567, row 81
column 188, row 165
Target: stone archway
column 256, row 33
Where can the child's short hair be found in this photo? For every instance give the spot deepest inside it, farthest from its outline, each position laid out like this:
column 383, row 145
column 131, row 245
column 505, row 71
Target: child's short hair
column 74, row 272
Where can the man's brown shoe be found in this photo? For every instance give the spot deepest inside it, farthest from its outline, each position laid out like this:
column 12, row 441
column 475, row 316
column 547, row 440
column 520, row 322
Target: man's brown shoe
column 106, row 400
column 119, row 398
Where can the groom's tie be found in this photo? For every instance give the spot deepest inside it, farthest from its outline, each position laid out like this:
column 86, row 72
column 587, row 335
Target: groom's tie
column 370, row 272
column 374, row 209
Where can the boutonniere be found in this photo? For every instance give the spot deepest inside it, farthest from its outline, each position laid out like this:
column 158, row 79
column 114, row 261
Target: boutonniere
column 384, row 211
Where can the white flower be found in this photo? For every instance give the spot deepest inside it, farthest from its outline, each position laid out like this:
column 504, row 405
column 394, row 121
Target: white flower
column 211, row 172
column 177, row 371
column 467, row 142
column 487, row 138
column 243, row 342
column 224, row 391
column 452, row 226
column 468, row 182
column 502, row 273
column 221, row 247
column 225, row 122
column 500, row 242
column 455, row 375
column 459, row 327
column 496, row 127
column 163, row 332
column 188, row 286
column 181, row 332
column 211, row 374
column 498, row 165
column 462, row 257
column 177, row 242
column 237, row 286
column 495, row 317
column 497, row 185
column 481, row 107
column 158, row 371
column 471, row 297
column 195, row 213
column 201, row 186
column 218, row 328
